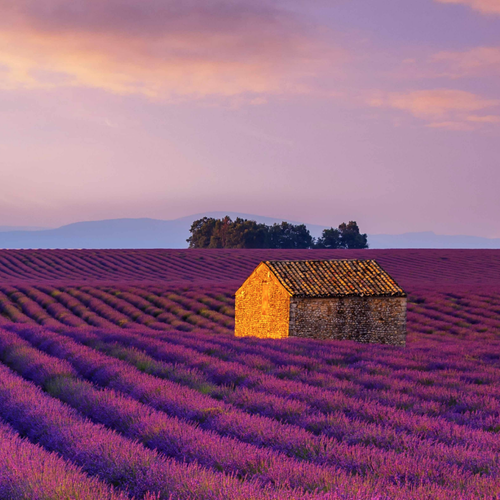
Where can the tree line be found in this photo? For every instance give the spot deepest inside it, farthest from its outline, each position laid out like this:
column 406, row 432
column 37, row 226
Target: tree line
column 242, row 233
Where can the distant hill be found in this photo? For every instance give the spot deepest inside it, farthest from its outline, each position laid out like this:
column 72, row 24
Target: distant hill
column 155, row 233
column 120, row 233
column 4, row 229
column 428, row 239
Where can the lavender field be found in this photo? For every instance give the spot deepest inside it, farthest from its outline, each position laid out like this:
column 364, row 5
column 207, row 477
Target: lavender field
column 120, row 378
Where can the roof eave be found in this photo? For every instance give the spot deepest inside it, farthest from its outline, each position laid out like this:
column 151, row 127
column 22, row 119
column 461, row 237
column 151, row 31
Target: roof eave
column 342, row 296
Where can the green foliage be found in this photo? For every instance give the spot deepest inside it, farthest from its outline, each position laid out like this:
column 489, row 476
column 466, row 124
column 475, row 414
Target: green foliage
column 286, row 235
column 242, row 233
column 330, row 238
column 224, row 233
column 346, row 236
column 201, row 233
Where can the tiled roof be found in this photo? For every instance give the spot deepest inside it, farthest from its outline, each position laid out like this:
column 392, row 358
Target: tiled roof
column 334, row 278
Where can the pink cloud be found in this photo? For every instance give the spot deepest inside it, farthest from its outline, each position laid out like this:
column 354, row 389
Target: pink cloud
column 484, row 119
column 442, row 108
column 472, row 62
column 435, row 103
column 457, row 126
column 483, row 6
column 159, row 49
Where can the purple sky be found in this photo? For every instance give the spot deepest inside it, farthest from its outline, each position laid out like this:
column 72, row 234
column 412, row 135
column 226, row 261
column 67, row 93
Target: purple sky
column 323, row 111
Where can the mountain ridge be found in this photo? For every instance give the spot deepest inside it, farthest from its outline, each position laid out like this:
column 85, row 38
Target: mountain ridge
column 158, row 233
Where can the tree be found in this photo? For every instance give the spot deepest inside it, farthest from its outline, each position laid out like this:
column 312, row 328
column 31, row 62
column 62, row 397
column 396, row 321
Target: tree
column 220, row 233
column 347, row 236
column 351, row 237
column 242, row 233
column 286, row 235
column 224, row 233
column 201, row 232
column 247, row 234
column 330, row 238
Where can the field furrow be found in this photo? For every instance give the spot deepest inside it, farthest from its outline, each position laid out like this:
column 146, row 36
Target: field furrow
column 122, row 462
column 120, row 377
column 468, row 460
column 154, row 429
column 28, row 471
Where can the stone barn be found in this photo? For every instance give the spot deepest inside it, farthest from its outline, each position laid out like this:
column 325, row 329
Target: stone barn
column 322, row 299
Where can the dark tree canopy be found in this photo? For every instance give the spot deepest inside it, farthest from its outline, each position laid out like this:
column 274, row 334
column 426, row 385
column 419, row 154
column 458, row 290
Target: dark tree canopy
column 242, row 233
column 201, row 233
column 224, row 233
column 329, row 239
column 346, row 236
column 286, row 235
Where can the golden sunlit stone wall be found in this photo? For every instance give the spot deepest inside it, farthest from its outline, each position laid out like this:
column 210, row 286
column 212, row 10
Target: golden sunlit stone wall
column 262, row 306
column 363, row 319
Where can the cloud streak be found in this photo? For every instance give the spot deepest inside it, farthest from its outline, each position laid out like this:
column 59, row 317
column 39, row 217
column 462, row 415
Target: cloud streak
column 473, row 62
column 483, row 6
column 160, row 49
column 441, row 108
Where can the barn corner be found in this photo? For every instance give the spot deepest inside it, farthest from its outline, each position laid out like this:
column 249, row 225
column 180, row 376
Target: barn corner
column 335, row 299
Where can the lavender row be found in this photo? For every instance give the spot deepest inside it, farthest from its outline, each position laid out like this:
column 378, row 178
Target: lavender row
column 161, row 266
column 418, row 392
column 171, row 436
column 355, row 422
column 104, row 453
column 149, row 315
column 27, row 472
column 51, row 305
column 78, row 309
column 178, row 400
column 309, row 371
column 194, row 316
column 279, row 350
column 13, row 313
column 313, row 357
column 28, row 307
column 403, row 465
column 181, row 312
column 63, row 307
column 375, row 371
column 294, row 399
column 350, row 418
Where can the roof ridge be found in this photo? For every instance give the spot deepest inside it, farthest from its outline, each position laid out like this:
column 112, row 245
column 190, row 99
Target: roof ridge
column 334, row 277
column 321, row 260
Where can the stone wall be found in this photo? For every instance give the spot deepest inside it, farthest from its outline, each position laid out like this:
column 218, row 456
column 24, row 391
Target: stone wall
column 262, row 306
column 363, row 319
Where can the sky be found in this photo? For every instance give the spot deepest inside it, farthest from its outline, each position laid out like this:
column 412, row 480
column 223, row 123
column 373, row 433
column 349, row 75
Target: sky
column 320, row 111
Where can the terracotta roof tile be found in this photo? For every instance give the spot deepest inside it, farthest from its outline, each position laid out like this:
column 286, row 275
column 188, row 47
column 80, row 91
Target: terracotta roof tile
column 334, row 278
